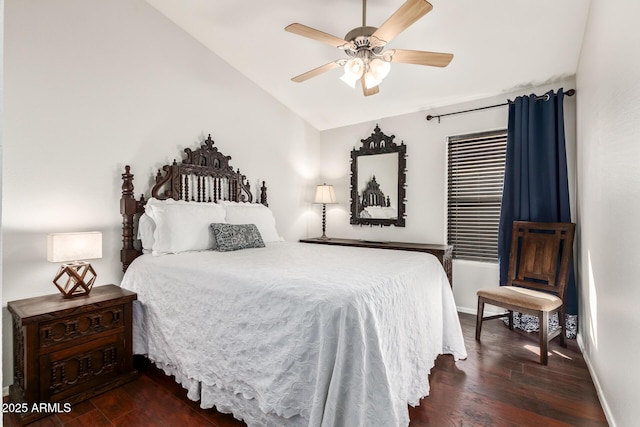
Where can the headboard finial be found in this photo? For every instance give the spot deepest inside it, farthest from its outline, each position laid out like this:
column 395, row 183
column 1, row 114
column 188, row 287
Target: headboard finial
column 208, row 143
column 127, row 182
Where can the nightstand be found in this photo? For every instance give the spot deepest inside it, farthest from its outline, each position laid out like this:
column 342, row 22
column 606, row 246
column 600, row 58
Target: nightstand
column 68, row 350
column 444, row 253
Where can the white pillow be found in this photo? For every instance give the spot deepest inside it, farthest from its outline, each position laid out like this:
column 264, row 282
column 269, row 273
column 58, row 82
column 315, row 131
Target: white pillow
column 182, row 226
column 146, row 227
column 253, row 213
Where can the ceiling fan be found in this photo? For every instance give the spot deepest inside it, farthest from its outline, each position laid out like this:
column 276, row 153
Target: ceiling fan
column 369, row 63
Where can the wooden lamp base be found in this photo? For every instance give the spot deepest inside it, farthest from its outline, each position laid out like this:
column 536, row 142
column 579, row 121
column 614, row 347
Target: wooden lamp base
column 75, row 279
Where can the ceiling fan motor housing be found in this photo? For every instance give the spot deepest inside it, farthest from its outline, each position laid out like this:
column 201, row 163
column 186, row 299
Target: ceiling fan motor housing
column 361, row 38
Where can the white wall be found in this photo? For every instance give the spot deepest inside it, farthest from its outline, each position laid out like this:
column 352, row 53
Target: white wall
column 92, row 85
column 608, row 130
column 426, row 177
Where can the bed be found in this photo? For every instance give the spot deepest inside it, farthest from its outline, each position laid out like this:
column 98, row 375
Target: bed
column 278, row 333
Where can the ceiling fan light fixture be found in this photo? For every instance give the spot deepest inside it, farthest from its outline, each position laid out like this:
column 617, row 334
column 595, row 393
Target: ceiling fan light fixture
column 353, row 70
column 354, row 67
column 379, row 68
column 371, row 80
column 349, row 79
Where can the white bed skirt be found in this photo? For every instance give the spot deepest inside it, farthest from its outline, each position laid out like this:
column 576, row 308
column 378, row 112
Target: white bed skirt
column 224, row 401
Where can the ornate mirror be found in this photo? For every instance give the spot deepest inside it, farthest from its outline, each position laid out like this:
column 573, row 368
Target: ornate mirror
column 378, row 180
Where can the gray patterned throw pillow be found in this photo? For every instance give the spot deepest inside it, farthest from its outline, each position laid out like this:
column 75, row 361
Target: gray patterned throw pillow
column 232, row 237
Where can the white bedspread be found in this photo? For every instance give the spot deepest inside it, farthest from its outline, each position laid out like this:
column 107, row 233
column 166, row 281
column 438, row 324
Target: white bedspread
column 297, row 334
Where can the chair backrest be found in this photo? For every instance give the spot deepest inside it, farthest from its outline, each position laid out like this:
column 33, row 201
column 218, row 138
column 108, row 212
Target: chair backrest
column 540, row 255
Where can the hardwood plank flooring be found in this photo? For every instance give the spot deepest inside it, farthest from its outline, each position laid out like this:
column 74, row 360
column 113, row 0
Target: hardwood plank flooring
column 499, row 384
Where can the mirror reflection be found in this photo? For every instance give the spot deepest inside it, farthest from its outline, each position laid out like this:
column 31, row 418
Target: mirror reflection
column 377, row 186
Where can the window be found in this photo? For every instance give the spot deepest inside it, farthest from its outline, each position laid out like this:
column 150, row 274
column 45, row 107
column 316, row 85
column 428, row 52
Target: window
column 474, row 194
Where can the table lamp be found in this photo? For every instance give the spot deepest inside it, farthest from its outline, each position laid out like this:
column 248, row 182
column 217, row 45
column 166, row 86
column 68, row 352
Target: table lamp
column 76, row 276
column 324, row 195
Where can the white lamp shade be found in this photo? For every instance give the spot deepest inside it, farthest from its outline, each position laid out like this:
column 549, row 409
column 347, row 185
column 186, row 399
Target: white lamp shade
column 325, row 194
column 63, row 247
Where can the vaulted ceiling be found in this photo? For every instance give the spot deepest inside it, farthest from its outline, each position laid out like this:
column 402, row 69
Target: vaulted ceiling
column 499, row 46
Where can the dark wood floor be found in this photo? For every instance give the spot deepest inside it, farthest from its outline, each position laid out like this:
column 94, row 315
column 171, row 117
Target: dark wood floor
column 499, row 384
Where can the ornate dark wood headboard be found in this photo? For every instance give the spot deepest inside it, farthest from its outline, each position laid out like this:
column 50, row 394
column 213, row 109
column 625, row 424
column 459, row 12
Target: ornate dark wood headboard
column 205, row 176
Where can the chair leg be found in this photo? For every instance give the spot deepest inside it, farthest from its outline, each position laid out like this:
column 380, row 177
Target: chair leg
column 543, row 316
column 562, row 319
column 511, row 320
column 479, row 318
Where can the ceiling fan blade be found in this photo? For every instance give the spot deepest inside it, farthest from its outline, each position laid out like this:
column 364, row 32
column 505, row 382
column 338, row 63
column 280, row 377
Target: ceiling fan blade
column 312, row 33
column 418, row 57
column 402, row 18
column 369, row 92
column 321, row 69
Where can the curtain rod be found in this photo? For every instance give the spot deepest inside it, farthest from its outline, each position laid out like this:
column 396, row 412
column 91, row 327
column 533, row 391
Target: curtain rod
column 570, row 92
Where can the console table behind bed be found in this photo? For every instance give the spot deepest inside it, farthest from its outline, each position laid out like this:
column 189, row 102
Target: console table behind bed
column 205, row 176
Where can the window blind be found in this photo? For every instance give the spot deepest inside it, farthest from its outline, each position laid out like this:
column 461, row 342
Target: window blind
column 474, row 194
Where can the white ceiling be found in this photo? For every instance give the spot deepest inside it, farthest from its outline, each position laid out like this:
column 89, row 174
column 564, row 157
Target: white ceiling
column 499, row 46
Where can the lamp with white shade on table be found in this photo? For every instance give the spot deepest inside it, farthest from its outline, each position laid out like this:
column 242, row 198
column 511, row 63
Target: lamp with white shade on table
column 75, row 276
column 325, row 196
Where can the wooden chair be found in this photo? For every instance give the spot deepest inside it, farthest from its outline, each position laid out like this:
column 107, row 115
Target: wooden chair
column 538, row 274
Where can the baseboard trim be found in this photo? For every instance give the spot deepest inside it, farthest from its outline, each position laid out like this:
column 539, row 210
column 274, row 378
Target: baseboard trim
column 466, row 310
column 488, row 310
column 596, row 383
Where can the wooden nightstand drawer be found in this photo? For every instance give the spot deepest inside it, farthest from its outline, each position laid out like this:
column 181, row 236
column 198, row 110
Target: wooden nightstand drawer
column 77, row 327
column 72, row 370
